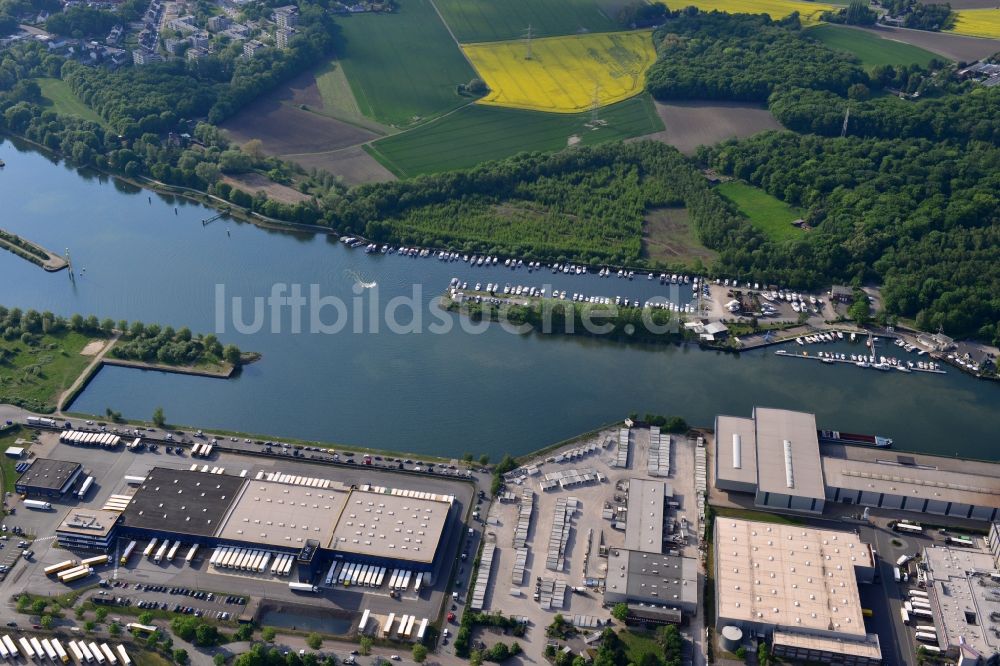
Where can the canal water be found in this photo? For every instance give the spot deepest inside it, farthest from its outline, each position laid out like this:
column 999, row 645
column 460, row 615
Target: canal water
column 142, row 256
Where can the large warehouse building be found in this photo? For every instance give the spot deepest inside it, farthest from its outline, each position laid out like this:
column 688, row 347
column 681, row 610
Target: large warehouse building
column 47, row 477
column 305, row 516
column 776, row 456
column 798, row 585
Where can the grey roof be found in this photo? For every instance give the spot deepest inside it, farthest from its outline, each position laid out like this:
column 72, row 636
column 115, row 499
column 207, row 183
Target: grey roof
column 911, row 474
column 182, row 501
column 48, row 473
column 653, row 578
column 644, row 525
column 788, row 453
column 735, row 449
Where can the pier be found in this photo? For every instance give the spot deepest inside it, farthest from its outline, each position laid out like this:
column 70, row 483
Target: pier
column 32, row 252
column 830, row 359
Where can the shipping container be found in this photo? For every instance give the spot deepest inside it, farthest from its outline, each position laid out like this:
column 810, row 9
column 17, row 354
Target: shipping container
column 87, row 654
column 95, row 650
column 192, row 551
column 150, row 547
column 930, row 628
column 39, row 651
column 422, row 630
column 381, row 576
column 94, row 561
column 172, row 553
column 123, row 655
column 925, row 636
column 106, row 649
column 4, row 654
column 60, row 651
column 919, row 593
column 161, row 551
column 144, row 629
column 417, row 583
column 77, row 653
column 264, row 563
column 37, row 505
column 922, row 613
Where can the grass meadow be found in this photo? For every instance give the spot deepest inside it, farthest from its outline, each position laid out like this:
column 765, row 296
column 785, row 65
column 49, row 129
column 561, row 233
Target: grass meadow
column 402, row 67
column 870, row 49
column 493, row 20
column 479, row 133
column 768, row 214
column 564, row 74
column 63, row 101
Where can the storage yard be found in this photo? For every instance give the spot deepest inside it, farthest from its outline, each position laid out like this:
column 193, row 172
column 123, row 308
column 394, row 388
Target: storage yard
column 561, row 519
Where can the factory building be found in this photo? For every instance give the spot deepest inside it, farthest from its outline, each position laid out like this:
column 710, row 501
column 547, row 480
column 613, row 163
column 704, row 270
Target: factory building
column 306, row 517
column 798, row 585
column 993, row 541
column 776, row 456
column 964, row 589
column 47, row 477
column 657, row 588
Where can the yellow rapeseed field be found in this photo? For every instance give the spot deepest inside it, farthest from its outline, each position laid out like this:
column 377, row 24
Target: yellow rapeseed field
column 977, row 22
column 564, row 73
column 809, row 12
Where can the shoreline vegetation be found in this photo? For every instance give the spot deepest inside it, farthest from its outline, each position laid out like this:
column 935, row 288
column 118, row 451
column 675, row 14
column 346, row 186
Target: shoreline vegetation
column 32, row 252
column 43, row 355
column 548, row 316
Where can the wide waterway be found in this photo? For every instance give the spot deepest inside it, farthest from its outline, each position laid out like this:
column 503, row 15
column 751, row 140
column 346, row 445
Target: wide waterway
column 427, row 392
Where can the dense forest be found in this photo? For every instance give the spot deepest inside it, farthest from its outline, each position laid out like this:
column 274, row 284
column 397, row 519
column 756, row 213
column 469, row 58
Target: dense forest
column 743, row 57
column 964, row 117
column 155, row 344
column 921, row 218
column 585, row 204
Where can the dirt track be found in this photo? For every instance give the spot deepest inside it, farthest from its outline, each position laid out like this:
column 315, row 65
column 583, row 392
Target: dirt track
column 693, row 124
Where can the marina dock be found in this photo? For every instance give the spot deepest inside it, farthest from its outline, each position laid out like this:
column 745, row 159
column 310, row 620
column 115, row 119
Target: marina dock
column 830, row 359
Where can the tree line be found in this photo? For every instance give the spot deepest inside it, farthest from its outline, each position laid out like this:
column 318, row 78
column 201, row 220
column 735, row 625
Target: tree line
column 969, row 116
column 922, row 218
column 743, row 57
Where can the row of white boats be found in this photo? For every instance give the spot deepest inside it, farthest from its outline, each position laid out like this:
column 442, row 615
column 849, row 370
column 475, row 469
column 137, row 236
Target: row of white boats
column 870, row 361
column 823, row 337
column 459, row 287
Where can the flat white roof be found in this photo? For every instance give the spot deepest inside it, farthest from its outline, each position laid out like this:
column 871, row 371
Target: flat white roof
column 282, row 514
column 801, row 578
column 382, row 524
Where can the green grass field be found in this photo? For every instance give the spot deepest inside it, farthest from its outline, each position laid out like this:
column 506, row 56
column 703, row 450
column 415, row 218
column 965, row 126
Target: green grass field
column 638, row 645
column 63, row 101
column 8, row 464
column 34, row 375
column 403, row 67
column 493, row 20
column 479, row 133
column 870, row 49
column 770, row 215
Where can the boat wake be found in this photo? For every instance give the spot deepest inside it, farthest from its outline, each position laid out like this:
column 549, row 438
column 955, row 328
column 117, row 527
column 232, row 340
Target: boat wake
column 359, row 280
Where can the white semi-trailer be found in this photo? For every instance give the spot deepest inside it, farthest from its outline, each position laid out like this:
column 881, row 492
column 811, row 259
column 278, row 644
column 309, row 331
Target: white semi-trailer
column 302, row 587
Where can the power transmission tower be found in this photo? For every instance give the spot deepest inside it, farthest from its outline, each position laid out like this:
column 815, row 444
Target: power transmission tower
column 527, row 43
column 847, row 116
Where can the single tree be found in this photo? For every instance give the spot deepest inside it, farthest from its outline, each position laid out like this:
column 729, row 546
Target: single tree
column 158, row 418
column 365, row 645
column 268, row 633
column 419, row 653
column 314, row 641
